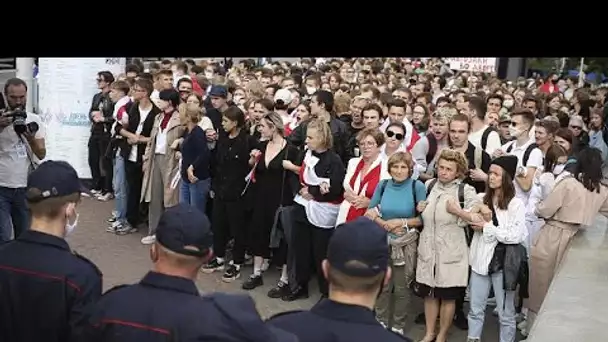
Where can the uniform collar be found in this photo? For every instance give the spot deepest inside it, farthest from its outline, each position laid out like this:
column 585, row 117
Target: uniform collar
column 168, row 282
column 41, row 238
column 344, row 312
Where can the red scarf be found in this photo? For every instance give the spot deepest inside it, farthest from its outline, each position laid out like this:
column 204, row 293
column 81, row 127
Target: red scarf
column 165, row 121
column 372, row 178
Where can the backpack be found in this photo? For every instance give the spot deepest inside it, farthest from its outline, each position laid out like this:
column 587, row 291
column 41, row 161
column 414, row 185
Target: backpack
column 485, row 135
column 430, row 155
column 383, row 187
column 527, row 153
column 468, row 234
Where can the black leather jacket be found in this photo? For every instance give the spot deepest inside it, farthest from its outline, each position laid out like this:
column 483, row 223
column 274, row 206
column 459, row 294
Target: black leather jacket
column 101, row 102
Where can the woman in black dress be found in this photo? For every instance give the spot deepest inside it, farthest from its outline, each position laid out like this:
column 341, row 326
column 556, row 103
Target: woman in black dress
column 275, row 164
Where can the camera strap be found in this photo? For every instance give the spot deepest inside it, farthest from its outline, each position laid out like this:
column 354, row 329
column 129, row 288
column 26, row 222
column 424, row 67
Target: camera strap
column 29, row 153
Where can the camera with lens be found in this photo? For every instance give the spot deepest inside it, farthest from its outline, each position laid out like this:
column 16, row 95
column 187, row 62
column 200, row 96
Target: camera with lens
column 19, row 115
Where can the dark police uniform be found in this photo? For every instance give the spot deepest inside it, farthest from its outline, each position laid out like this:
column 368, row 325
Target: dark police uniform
column 162, row 307
column 363, row 241
column 45, row 288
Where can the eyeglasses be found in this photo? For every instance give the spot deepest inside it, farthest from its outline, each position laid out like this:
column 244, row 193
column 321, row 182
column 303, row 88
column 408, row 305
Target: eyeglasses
column 397, row 136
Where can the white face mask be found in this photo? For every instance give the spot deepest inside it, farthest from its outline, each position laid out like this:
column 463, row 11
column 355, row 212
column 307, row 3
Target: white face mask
column 508, row 103
column 514, row 131
column 310, row 90
column 558, row 169
column 208, row 75
column 69, row 227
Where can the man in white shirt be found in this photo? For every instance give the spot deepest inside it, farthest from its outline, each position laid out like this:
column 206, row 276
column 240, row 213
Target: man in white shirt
column 529, row 157
column 481, row 135
column 21, row 147
column 164, row 80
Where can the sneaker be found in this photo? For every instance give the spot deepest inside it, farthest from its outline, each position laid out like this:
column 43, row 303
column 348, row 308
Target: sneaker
column 522, row 325
column 95, row 191
column 112, row 219
column 252, row 282
column 397, row 331
column 279, row 291
column 148, row 240
column 125, row 229
column 248, row 260
column 231, row 274
column 460, row 321
column 111, row 229
column 105, row 197
column 213, row 266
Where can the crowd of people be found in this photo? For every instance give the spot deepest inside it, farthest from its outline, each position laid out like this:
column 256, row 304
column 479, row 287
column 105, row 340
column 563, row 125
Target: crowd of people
column 466, row 174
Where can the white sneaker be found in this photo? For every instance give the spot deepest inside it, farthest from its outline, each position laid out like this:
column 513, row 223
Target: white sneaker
column 522, row 325
column 397, row 331
column 148, row 240
column 105, row 197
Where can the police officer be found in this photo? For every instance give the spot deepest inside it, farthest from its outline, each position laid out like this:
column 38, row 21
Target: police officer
column 45, row 288
column 166, row 306
column 357, row 267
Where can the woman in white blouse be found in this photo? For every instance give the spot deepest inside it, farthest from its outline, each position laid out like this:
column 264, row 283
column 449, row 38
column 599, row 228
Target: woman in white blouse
column 542, row 184
column 502, row 224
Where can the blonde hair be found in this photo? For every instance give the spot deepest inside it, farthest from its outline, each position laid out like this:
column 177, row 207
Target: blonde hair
column 275, row 120
column 324, row 132
column 190, row 112
column 342, row 103
column 462, row 165
column 401, row 157
column 255, row 89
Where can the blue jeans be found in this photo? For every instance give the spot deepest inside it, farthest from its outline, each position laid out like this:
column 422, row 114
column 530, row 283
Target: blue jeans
column 195, row 194
column 14, row 213
column 479, row 289
column 119, row 182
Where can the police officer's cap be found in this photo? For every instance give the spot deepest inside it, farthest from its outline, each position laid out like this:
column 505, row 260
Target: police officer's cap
column 53, row 179
column 185, row 230
column 359, row 248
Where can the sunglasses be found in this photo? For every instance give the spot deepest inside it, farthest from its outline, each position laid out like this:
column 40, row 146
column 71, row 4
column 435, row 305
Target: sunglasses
column 576, row 127
column 397, row 136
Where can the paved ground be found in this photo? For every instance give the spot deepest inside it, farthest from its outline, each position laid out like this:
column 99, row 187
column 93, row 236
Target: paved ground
column 123, row 259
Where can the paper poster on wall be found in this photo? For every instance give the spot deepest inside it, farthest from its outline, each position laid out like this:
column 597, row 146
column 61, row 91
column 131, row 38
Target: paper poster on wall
column 65, row 90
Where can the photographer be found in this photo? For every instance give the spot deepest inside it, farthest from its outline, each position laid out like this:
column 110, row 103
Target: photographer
column 21, row 145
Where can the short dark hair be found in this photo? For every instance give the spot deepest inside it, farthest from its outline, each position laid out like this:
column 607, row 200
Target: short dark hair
column 479, row 106
column 461, row 118
column 327, row 99
column 526, row 114
column 184, row 79
column 106, row 76
column 15, row 82
column 234, row 113
column 133, row 68
column 145, row 84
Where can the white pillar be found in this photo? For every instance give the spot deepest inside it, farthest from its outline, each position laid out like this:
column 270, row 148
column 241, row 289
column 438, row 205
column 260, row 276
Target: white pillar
column 25, row 71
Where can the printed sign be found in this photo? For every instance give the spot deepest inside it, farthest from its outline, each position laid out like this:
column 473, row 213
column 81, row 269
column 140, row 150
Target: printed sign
column 472, row 64
column 65, row 90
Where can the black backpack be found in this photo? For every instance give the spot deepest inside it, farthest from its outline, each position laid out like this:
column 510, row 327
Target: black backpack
column 468, row 232
column 430, row 155
column 485, row 135
column 527, row 153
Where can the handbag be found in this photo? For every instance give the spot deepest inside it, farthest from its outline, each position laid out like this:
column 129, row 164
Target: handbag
column 281, row 226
